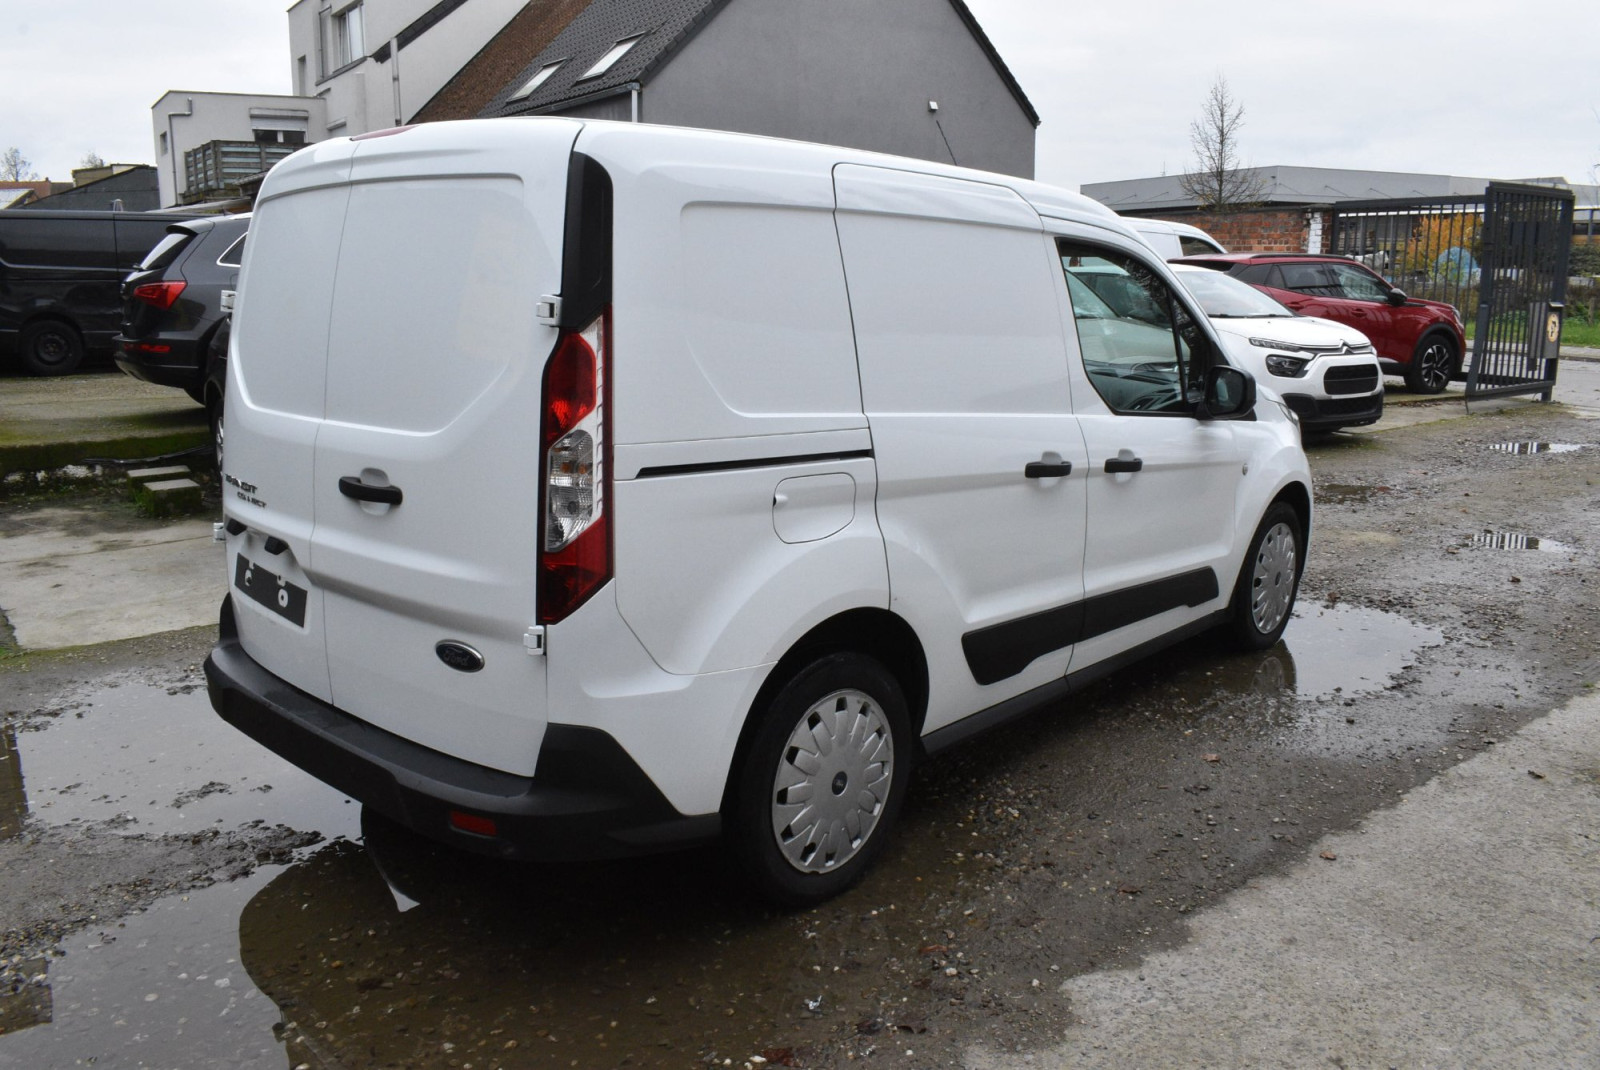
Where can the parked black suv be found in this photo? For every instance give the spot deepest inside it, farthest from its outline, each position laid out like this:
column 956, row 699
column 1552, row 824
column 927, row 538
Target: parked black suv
column 172, row 302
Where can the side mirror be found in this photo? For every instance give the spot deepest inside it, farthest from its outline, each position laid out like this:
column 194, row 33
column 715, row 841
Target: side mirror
column 1398, row 297
column 1230, row 395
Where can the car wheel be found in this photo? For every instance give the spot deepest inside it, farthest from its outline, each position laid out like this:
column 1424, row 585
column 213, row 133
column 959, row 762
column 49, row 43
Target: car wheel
column 1432, row 366
column 1264, row 596
column 821, row 782
column 214, row 415
column 49, row 347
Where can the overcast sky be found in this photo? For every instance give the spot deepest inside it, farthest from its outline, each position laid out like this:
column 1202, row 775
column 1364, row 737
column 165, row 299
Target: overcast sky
column 1473, row 87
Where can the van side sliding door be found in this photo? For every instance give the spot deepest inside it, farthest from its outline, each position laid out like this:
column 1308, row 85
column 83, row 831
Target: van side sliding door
column 981, row 484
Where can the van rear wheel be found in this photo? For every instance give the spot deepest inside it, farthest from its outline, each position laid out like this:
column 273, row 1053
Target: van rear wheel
column 49, row 347
column 822, row 781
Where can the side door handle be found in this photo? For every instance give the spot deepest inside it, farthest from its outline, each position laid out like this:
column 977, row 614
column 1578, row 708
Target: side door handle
column 1047, row 469
column 352, row 487
column 1124, row 464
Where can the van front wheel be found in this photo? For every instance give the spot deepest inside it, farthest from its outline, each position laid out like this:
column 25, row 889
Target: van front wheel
column 822, row 781
column 1263, row 598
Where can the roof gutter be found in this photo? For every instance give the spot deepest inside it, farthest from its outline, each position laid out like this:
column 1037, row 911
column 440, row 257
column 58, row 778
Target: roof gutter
column 632, row 88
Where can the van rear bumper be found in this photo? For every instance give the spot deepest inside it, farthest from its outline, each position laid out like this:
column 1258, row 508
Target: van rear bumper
column 588, row 800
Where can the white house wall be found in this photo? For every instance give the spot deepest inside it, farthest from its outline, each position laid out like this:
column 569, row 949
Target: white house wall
column 192, row 119
column 368, row 94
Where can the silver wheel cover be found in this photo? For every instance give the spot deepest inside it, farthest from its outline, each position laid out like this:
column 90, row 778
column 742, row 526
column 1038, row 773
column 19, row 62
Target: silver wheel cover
column 1272, row 580
column 832, row 781
column 1435, row 365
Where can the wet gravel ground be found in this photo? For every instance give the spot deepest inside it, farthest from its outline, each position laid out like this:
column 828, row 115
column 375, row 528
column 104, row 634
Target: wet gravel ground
column 1078, row 839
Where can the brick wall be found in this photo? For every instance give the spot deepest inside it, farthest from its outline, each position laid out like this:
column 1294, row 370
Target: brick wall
column 1256, row 230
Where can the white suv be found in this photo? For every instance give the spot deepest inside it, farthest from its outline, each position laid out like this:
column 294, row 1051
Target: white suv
column 599, row 488
column 1327, row 372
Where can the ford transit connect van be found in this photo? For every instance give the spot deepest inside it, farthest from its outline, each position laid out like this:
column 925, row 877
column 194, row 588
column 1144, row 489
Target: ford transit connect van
column 596, row 488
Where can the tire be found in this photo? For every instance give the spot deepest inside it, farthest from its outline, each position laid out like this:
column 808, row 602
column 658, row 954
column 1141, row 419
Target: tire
column 50, row 347
column 798, row 853
column 1263, row 597
column 214, row 418
column 1432, row 366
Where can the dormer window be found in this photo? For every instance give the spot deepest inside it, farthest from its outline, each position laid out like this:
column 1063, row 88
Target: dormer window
column 540, row 77
column 609, row 60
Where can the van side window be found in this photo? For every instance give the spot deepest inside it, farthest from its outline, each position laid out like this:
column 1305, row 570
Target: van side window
column 1140, row 345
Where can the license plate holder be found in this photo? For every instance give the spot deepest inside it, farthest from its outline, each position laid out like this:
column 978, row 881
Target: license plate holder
column 267, row 588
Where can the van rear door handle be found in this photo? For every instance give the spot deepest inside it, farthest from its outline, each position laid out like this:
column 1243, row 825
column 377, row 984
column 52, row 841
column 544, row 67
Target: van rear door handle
column 1124, row 464
column 352, row 487
column 1047, row 469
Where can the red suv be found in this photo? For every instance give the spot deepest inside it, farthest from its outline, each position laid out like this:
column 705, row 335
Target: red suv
column 1421, row 340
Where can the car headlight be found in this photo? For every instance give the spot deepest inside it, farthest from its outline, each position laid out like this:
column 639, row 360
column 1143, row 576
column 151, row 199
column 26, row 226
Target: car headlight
column 1272, row 343
column 1286, row 366
column 1456, row 313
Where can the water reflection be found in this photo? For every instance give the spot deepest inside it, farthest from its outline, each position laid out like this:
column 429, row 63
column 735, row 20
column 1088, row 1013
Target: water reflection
column 13, row 800
column 1531, row 447
column 1513, row 540
column 406, row 953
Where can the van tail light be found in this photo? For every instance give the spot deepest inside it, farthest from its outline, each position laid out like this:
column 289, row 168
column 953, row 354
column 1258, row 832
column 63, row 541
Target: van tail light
column 159, row 294
column 575, row 544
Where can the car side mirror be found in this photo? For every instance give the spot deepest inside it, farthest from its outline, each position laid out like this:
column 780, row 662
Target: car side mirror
column 1398, row 297
column 1230, row 394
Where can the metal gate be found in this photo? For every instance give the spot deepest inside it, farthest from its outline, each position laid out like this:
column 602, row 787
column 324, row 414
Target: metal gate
column 1527, row 238
column 1501, row 258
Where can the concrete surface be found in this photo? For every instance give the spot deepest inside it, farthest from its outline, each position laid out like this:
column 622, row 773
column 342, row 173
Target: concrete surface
column 79, row 573
column 51, row 422
column 1459, row 929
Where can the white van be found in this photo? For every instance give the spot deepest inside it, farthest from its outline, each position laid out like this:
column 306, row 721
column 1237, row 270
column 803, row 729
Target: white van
column 601, row 488
column 1172, row 240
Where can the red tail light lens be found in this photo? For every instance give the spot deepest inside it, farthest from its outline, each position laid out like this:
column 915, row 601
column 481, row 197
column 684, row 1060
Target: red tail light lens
column 575, row 545
column 159, row 294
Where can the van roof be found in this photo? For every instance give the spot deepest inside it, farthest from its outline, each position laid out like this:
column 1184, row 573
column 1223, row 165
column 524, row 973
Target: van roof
column 690, row 143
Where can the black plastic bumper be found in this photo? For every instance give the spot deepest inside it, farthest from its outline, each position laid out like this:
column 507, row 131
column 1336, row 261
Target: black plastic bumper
column 588, row 800
column 180, row 366
column 1328, row 413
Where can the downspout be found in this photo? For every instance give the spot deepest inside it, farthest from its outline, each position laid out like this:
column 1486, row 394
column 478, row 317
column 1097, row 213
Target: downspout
column 172, row 145
column 394, row 76
column 634, row 93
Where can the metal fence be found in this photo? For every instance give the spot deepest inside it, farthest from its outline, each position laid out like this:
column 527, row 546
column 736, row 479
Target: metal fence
column 217, row 167
column 1428, row 248
column 1500, row 258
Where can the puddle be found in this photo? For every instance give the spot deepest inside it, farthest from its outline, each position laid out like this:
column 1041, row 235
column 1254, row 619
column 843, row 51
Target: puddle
column 163, row 988
column 1536, row 447
column 1328, row 649
column 1511, row 540
column 1346, row 493
column 143, row 760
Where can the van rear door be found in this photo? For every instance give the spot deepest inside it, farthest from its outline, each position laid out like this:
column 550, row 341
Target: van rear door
column 425, row 486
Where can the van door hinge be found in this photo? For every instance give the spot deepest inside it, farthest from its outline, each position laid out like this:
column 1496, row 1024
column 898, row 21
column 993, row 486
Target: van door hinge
column 533, row 641
column 548, row 310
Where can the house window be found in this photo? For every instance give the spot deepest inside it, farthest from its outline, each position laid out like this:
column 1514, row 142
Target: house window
column 343, row 38
column 540, row 77
column 609, row 60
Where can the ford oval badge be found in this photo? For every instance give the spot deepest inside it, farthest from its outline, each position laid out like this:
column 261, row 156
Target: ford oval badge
column 459, row 656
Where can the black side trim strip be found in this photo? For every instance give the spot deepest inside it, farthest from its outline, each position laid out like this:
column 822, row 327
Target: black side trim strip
column 1000, row 651
column 1056, row 690
column 752, row 462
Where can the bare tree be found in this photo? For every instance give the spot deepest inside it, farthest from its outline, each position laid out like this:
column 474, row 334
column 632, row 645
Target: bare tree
column 91, row 159
column 15, row 167
column 1219, row 180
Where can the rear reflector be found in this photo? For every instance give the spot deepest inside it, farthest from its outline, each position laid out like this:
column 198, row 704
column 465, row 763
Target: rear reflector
column 159, row 294
column 473, row 823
